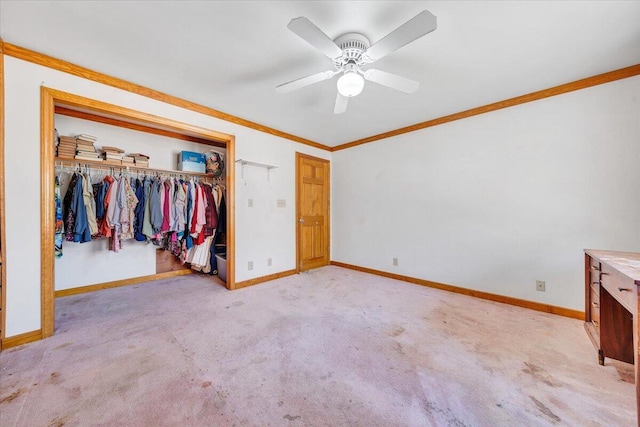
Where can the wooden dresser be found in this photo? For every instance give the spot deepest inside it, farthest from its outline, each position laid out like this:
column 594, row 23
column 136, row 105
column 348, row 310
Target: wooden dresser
column 612, row 314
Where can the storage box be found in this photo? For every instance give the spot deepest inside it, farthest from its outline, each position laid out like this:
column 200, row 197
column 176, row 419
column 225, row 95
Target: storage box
column 190, row 161
column 221, row 261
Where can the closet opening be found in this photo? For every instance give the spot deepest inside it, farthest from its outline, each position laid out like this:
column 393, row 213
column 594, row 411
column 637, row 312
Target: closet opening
column 159, row 143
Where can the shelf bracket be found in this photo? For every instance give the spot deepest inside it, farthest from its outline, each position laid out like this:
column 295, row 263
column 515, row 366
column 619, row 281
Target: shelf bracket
column 244, row 163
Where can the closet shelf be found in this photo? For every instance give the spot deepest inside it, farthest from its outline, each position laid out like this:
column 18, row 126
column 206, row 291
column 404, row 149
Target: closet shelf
column 250, row 163
column 268, row 167
column 64, row 161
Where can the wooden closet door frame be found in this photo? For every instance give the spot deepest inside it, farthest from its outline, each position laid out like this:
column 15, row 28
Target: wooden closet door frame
column 52, row 98
column 3, row 246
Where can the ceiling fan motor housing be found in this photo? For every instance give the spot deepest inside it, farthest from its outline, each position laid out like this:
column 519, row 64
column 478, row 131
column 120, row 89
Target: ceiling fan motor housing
column 353, row 46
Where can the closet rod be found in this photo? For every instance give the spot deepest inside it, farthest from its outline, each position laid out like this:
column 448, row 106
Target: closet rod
column 74, row 163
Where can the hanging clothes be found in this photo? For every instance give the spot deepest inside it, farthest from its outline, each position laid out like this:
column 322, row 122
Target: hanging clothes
column 183, row 217
column 211, row 216
column 222, row 214
column 199, row 256
column 99, row 194
column 81, row 231
column 140, row 210
column 59, row 233
column 189, row 216
column 147, row 228
column 68, row 214
column 220, row 230
column 113, row 207
column 199, row 218
column 171, row 195
column 179, row 204
column 128, row 202
column 104, row 225
column 166, row 209
column 89, row 203
column 192, row 196
column 155, row 206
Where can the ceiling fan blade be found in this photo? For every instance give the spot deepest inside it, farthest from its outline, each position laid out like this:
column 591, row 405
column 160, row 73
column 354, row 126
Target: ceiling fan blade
column 341, row 104
column 393, row 81
column 315, row 37
column 421, row 24
column 305, row 81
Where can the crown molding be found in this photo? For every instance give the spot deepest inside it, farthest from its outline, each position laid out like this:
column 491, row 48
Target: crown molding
column 86, row 73
column 67, row 67
column 599, row 79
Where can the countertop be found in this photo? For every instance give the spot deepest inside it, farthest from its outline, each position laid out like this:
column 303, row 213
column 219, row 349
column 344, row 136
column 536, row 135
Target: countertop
column 627, row 263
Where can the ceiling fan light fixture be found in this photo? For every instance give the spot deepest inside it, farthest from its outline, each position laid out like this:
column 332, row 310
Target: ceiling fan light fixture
column 350, row 84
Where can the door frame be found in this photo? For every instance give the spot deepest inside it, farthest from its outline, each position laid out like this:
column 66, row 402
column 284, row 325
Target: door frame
column 298, row 206
column 3, row 246
column 52, row 98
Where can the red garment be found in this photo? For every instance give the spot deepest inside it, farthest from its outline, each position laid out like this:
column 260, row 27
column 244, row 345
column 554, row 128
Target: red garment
column 210, row 212
column 166, row 226
column 199, row 220
column 194, row 221
column 103, row 225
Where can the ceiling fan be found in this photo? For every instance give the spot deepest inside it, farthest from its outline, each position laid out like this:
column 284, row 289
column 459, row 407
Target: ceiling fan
column 353, row 51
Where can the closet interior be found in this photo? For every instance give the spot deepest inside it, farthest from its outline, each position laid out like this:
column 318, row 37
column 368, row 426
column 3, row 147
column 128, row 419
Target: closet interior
column 120, row 221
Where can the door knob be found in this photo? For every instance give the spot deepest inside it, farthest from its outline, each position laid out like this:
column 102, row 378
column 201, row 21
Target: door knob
column 301, row 220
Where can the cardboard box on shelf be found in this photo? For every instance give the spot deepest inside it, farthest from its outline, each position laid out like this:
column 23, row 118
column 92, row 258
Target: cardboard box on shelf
column 190, row 161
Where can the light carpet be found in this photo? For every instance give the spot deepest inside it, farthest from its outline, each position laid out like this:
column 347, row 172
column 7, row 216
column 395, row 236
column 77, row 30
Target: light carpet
column 331, row 347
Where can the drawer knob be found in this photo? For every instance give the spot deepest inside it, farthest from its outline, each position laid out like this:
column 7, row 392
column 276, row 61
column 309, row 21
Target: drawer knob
column 595, row 267
column 595, row 323
column 595, row 304
column 624, row 289
column 596, row 283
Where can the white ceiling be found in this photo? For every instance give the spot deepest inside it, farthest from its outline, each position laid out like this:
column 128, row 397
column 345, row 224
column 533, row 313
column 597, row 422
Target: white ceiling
column 230, row 55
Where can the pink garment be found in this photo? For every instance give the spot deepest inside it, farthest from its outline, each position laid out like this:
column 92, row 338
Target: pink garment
column 115, row 244
column 166, row 211
column 113, row 213
column 199, row 216
column 172, row 201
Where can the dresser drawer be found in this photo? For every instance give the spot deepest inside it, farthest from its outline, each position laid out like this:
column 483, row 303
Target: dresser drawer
column 593, row 275
column 594, row 304
column 595, row 292
column 595, row 315
column 620, row 287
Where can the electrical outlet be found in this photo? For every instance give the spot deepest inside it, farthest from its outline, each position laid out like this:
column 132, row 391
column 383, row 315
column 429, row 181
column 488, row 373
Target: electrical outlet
column 395, row 261
column 250, row 265
column 282, row 203
column 250, row 203
column 269, row 262
column 540, row 285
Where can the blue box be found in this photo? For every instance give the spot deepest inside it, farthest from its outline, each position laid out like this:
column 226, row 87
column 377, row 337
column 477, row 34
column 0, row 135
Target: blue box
column 190, row 161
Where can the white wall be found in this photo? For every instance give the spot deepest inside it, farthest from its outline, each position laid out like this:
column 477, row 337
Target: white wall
column 498, row 201
column 492, row 202
column 136, row 258
column 261, row 232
